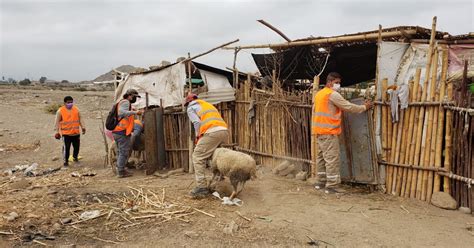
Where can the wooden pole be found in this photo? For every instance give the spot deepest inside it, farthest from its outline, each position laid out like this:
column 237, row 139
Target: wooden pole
column 394, row 137
column 404, row 148
column 439, row 139
column 314, row 137
column 190, row 128
column 317, row 41
column 235, row 71
column 413, row 123
column 448, row 140
column 384, row 122
column 209, row 51
column 428, row 179
column 417, row 177
column 270, row 26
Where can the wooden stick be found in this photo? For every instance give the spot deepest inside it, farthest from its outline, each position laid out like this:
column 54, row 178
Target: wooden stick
column 105, row 240
column 406, row 210
column 243, row 217
column 6, row 233
column 80, row 221
column 38, row 242
column 202, row 212
column 274, row 29
column 209, row 51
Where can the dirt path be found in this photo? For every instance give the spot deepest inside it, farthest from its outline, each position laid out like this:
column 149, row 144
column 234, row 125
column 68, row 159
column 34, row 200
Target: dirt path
column 282, row 212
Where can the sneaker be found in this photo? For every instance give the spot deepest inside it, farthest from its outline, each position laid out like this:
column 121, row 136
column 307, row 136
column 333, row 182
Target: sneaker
column 199, row 192
column 124, row 173
column 334, row 190
column 320, row 186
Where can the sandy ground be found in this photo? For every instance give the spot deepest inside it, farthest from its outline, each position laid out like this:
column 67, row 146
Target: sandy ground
column 282, row 212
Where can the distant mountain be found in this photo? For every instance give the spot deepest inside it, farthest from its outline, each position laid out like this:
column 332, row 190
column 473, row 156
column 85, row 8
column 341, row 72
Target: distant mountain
column 109, row 75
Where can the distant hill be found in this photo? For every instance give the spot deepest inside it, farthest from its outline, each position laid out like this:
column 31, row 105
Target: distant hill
column 109, row 75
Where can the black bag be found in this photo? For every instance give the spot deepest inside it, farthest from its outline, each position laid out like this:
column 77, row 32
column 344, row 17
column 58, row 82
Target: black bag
column 112, row 118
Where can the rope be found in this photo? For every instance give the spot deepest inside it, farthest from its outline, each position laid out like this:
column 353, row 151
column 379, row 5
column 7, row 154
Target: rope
column 274, row 156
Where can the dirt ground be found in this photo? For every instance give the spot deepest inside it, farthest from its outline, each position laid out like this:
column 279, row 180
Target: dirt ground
column 279, row 211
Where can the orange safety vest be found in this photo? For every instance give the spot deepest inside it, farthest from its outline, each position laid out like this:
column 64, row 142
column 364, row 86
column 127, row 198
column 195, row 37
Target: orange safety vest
column 126, row 123
column 139, row 122
column 70, row 122
column 324, row 120
column 210, row 117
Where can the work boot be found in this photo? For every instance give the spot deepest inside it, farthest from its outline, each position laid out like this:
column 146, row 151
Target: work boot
column 334, row 190
column 199, row 192
column 320, row 186
column 124, row 173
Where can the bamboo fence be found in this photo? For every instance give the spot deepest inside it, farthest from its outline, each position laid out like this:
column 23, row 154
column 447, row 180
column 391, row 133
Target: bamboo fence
column 461, row 159
column 279, row 125
column 176, row 126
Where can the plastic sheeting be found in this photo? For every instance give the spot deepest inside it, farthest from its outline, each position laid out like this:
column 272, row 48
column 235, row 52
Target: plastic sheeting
column 390, row 55
column 457, row 55
column 166, row 84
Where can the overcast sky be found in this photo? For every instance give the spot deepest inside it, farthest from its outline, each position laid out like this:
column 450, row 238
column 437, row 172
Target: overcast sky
column 81, row 39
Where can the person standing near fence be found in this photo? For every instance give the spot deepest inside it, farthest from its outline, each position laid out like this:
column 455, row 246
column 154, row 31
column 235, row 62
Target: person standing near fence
column 328, row 105
column 123, row 130
column 68, row 125
column 211, row 131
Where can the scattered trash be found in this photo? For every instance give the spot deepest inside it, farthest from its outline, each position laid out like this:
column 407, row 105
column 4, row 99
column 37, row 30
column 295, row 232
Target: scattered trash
column 29, row 237
column 30, row 171
column 84, row 174
column 89, row 215
column 12, row 216
column 66, row 221
column 55, row 158
column 227, row 201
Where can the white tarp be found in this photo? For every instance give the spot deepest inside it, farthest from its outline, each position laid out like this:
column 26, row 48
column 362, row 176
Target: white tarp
column 388, row 59
column 166, row 84
column 218, row 86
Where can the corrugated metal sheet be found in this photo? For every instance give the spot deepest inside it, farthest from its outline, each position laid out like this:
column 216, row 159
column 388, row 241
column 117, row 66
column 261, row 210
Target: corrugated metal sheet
column 217, row 96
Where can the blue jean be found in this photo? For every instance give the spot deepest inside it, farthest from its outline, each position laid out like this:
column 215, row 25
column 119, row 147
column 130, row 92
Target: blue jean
column 123, row 149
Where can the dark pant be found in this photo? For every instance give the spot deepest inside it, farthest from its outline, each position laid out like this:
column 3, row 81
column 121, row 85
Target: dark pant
column 76, row 143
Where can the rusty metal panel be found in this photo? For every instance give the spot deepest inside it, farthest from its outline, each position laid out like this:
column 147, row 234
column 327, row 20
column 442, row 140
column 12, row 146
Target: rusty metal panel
column 356, row 156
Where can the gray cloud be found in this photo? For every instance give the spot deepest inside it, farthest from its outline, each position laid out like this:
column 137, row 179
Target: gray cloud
column 78, row 40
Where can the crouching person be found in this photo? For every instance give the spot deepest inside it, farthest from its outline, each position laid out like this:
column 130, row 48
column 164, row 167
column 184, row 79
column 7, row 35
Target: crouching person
column 211, row 131
column 122, row 132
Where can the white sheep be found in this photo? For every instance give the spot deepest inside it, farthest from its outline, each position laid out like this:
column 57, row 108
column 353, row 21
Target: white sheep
column 238, row 166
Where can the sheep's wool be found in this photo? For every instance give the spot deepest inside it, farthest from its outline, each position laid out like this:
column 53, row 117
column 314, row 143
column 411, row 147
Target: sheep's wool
column 226, row 161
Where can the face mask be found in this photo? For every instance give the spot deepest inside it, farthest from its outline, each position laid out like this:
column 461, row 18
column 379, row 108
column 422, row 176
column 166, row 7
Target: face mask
column 134, row 99
column 69, row 105
column 336, row 87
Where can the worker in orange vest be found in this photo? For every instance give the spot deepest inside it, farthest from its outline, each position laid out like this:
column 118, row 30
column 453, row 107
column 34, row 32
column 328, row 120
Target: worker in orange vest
column 68, row 125
column 328, row 105
column 211, row 131
column 123, row 131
